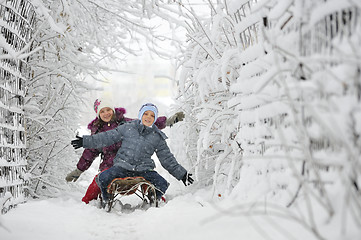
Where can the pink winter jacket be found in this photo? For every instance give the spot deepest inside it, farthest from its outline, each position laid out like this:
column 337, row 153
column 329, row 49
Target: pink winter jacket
column 109, row 152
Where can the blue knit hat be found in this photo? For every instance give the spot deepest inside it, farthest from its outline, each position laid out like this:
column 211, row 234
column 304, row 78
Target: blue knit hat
column 148, row 107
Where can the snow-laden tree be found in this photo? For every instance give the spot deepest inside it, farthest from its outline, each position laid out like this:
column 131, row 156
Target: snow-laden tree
column 75, row 41
column 16, row 22
column 271, row 92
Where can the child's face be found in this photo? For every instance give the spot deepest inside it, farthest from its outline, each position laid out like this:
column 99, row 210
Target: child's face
column 106, row 114
column 148, row 118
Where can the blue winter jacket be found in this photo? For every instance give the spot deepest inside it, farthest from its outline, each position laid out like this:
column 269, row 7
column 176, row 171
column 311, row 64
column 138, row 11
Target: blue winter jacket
column 138, row 145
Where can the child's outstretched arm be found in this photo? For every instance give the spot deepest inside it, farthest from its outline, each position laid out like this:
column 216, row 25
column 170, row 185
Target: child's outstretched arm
column 169, row 162
column 99, row 140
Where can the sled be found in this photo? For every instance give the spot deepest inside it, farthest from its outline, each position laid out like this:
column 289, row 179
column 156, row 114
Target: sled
column 120, row 187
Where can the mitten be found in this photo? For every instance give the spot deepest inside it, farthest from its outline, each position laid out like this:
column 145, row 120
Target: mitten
column 73, row 175
column 77, row 143
column 179, row 116
column 187, row 179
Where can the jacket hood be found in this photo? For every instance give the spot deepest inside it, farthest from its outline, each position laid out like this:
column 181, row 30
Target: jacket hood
column 119, row 114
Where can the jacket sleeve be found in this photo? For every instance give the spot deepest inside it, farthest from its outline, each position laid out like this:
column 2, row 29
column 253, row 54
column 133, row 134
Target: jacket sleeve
column 161, row 122
column 129, row 119
column 87, row 159
column 104, row 139
column 168, row 160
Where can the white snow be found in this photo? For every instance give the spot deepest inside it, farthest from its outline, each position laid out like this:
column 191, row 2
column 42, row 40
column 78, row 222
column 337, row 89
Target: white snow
column 328, row 8
column 187, row 216
column 192, row 213
column 280, row 8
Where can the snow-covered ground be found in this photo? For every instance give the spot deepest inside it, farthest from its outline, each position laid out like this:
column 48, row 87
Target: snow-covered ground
column 186, row 215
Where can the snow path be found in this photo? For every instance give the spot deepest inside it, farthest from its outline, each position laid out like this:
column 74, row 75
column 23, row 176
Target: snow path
column 183, row 217
column 190, row 214
column 67, row 218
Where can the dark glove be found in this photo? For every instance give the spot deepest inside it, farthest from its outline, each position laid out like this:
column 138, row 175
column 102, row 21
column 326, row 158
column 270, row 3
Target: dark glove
column 187, row 179
column 77, row 143
column 179, row 116
column 73, row 175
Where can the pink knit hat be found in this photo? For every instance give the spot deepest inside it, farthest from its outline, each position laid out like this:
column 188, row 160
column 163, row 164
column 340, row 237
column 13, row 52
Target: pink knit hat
column 99, row 104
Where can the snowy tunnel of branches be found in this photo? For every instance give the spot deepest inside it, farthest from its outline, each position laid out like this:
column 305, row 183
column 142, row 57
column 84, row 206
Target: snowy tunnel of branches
column 272, row 98
column 271, row 91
